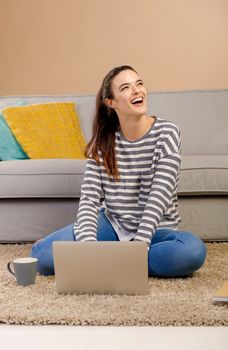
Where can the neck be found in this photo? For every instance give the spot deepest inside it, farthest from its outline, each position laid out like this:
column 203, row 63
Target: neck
column 135, row 128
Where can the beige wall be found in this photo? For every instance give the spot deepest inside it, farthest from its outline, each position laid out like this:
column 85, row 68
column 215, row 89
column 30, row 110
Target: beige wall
column 66, row 46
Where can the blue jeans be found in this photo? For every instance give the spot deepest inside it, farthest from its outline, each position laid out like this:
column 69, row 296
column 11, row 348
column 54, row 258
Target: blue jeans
column 172, row 253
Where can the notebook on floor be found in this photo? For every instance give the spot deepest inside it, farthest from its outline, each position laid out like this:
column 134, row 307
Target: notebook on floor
column 222, row 293
column 101, row 267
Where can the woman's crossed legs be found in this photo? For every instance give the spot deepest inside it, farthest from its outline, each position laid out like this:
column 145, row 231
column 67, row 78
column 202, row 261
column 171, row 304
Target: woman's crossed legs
column 172, row 253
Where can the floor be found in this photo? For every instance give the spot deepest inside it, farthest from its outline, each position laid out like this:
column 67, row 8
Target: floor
column 110, row 338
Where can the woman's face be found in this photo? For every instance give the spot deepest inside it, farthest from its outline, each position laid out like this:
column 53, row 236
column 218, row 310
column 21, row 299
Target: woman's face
column 130, row 96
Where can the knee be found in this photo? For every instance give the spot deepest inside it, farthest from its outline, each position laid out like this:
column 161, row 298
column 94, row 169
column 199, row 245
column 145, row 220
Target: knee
column 177, row 257
column 45, row 264
column 197, row 251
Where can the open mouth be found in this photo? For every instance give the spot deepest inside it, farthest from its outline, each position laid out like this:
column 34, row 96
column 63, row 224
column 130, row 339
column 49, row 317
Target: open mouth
column 138, row 101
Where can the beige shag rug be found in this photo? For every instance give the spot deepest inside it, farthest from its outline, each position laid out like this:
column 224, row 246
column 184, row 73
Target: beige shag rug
column 171, row 302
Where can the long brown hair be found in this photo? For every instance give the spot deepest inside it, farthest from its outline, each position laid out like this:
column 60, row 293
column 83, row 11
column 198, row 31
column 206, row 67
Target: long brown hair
column 105, row 124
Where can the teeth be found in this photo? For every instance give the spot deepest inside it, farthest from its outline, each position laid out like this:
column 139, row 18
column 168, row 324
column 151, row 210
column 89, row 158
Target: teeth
column 138, row 99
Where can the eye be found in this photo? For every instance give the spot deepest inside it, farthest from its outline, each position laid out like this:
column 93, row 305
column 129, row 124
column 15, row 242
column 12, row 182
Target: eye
column 140, row 83
column 125, row 87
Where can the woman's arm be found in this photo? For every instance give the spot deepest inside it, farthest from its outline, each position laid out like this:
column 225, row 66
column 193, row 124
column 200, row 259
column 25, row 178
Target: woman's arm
column 164, row 184
column 85, row 228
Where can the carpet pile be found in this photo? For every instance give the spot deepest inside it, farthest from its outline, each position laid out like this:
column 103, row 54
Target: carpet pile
column 171, row 302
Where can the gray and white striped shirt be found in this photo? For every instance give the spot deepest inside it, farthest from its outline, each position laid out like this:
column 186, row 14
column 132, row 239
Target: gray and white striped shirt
column 145, row 197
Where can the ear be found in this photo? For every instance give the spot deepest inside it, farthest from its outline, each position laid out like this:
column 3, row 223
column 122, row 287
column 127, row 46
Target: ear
column 109, row 102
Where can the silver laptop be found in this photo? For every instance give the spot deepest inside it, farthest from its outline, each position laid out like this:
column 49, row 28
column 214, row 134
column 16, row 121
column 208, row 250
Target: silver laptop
column 101, row 267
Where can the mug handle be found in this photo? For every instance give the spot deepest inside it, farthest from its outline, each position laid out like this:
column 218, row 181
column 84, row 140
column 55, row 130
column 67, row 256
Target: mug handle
column 9, row 268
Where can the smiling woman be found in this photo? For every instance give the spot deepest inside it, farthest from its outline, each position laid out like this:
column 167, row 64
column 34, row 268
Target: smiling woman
column 129, row 191
column 123, row 99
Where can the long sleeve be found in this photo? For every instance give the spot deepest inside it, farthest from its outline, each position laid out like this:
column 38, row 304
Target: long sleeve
column 85, row 228
column 164, row 185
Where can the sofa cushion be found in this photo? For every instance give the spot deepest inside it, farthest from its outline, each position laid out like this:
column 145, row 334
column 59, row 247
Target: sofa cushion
column 203, row 175
column 48, row 130
column 53, row 178
column 201, row 116
column 41, row 178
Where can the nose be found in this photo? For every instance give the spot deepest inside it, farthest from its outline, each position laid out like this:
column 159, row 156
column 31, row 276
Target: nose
column 136, row 89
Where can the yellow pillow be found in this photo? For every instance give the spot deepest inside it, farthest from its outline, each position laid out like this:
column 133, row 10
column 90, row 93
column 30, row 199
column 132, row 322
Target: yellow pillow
column 49, row 130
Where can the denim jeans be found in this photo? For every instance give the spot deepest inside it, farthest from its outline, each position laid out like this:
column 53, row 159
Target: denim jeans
column 172, row 253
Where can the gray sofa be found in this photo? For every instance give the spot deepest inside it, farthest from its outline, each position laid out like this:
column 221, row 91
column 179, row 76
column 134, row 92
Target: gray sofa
column 39, row 196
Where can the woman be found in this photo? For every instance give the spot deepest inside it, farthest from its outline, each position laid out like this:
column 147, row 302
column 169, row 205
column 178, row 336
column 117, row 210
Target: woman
column 129, row 190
